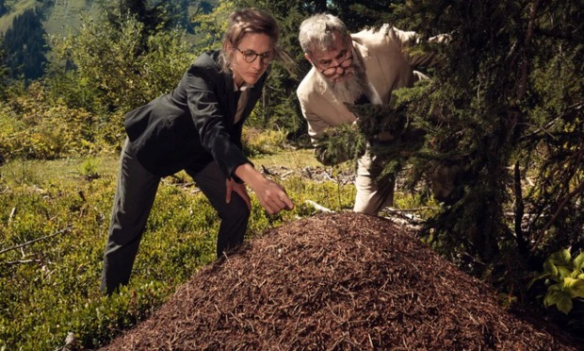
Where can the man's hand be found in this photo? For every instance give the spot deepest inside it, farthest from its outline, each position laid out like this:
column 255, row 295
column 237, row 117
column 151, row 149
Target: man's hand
column 233, row 186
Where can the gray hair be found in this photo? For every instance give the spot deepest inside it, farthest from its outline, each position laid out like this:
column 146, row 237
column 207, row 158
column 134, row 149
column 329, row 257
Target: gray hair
column 316, row 32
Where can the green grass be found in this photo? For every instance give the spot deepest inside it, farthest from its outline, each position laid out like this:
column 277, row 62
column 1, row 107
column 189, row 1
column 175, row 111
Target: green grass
column 50, row 286
column 58, row 170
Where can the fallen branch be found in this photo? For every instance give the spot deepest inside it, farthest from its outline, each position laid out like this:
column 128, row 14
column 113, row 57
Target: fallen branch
column 23, row 261
column 265, row 170
column 34, row 240
column 286, row 174
column 318, row 207
column 329, row 176
column 405, row 217
column 407, row 214
column 405, row 223
column 406, row 210
column 12, row 213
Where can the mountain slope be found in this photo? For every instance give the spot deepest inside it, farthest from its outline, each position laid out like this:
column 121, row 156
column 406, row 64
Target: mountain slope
column 62, row 15
column 67, row 14
column 17, row 8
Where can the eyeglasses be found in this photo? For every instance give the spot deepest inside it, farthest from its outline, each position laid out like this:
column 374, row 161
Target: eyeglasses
column 250, row 56
column 331, row 71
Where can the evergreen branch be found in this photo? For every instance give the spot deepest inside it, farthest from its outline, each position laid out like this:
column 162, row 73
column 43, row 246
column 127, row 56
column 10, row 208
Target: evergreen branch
column 555, row 34
column 343, row 143
column 376, row 119
column 386, row 129
column 578, row 190
column 548, row 125
column 528, row 38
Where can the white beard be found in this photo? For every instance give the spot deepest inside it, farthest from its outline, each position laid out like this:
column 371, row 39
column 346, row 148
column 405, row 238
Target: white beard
column 352, row 88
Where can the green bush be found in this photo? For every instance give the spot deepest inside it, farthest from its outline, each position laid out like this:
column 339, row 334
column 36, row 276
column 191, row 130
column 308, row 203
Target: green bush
column 262, row 142
column 31, row 127
column 113, row 69
column 564, row 278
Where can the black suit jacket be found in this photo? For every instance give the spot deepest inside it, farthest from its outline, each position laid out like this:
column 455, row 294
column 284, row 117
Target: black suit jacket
column 192, row 125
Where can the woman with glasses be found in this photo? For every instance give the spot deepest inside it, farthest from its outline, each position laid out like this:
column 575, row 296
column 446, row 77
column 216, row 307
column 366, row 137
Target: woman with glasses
column 197, row 128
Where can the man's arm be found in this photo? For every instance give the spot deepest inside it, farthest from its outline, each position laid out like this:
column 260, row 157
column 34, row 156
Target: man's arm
column 317, row 130
column 316, row 125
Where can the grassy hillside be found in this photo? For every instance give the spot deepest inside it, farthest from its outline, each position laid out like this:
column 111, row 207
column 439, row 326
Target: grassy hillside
column 67, row 14
column 17, row 8
column 64, row 14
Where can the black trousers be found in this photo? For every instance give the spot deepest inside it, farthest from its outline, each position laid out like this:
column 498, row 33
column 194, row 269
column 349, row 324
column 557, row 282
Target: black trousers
column 135, row 193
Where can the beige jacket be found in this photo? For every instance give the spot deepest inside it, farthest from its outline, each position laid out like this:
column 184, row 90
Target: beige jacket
column 388, row 66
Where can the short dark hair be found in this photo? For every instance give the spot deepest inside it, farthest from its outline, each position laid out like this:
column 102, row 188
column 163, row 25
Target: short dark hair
column 246, row 21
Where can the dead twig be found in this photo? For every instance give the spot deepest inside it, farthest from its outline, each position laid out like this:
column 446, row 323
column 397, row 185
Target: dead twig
column 265, row 170
column 12, row 213
column 35, row 240
column 318, row 207
column 407, row 214
column 23, row 261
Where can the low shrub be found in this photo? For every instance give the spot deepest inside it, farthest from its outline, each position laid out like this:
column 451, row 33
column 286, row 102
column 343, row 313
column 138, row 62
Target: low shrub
column 262, row 142
column 34, row 129
column 53, row 228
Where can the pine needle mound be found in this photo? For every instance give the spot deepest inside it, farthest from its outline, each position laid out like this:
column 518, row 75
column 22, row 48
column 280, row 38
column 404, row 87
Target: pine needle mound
column 341, row 281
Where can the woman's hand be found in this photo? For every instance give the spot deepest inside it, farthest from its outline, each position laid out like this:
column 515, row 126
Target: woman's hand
column 271, row 195
column 233, row 186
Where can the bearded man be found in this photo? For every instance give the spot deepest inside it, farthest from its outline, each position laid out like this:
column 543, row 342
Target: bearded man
column 364, row 67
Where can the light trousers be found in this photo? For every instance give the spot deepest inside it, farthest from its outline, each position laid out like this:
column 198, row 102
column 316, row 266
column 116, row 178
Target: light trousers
column 373, row 192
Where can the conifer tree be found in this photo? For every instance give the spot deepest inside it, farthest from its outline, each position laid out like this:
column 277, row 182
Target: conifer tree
column 502, row 110
column 3, row 8
column 155, row 17
column 359, row 14
column 24, row 46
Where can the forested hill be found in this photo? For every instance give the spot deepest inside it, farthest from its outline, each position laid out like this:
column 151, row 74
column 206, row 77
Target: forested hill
column 25, row 24
column 58, row 15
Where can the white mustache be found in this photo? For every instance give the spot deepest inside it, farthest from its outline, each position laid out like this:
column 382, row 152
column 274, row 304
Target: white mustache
column 353, row 87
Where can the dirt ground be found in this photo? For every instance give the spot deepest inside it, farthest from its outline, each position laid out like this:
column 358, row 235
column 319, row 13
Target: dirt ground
column 337, row 281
